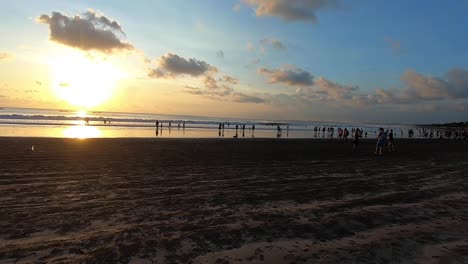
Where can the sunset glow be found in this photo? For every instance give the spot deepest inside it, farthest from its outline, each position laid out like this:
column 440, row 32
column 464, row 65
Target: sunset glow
column 82, row 132
column 83, row 82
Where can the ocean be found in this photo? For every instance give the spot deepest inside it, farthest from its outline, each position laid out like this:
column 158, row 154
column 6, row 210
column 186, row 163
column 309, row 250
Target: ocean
column 29, row 122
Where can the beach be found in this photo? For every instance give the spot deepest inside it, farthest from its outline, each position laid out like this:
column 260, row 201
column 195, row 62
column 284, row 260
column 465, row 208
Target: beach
column 224, row 200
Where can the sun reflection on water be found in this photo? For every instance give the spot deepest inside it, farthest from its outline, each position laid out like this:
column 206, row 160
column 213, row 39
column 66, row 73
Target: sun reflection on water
column 82, row 132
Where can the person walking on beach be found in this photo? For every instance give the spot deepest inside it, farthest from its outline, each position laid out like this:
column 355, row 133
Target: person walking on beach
column 278, row 131
column 237, row 127
column 391, row 141
column 183, row 126
column 253, row 130
column 219, row 130
column 357, row 134
column 381, row 141
column 243, row 130
column 345, row 134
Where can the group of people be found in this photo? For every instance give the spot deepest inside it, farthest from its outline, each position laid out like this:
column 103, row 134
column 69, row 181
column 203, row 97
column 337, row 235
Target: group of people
column 236, row 135
column 382, row 139
column 385, row 138
column 159, row 126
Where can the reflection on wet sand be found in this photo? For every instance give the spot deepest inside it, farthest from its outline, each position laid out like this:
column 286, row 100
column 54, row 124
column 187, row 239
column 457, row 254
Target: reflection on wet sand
column 82, row 132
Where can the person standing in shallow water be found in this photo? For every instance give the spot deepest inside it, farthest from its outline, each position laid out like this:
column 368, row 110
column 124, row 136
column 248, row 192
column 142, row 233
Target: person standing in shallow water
column 157, row 128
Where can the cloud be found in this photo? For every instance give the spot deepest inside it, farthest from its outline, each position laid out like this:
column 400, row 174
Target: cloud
column 100, row 19
column 220, row 54
column 229, row 79
column 288, row 75
column 334, row 90
column 250, row 46
column 237, row 7
column 89, row 31
column 216, row 88
column 418, row 86
column 273, row 43
column 395, row 45
column 172, row 65
column 326, row 90
column 210, row 82
column 244, row 98
column 5, row 56
column 224, row 93
column 290, row 10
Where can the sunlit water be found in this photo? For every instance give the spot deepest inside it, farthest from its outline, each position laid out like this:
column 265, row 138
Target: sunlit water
column 20, row 122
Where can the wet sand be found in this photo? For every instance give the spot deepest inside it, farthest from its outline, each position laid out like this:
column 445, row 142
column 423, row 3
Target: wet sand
column 232, row 201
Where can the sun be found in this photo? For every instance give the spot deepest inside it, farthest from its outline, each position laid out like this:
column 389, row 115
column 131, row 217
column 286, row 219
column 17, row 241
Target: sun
column 84, row 82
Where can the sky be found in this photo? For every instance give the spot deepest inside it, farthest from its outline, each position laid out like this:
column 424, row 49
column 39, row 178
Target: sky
column 317, row 60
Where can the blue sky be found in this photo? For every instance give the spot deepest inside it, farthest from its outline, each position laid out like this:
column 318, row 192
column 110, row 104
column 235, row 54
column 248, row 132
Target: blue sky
column 407, row 49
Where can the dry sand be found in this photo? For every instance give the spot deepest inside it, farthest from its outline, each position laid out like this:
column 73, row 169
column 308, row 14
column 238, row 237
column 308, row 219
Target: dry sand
column 231, row 201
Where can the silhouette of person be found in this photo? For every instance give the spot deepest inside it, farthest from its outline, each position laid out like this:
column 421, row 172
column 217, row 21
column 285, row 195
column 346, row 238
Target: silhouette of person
column 243, row 130
column 237, row 127
column 278, row 131
column 356, row 140
column 253, row 130
column 157, row 127
column 391, row 141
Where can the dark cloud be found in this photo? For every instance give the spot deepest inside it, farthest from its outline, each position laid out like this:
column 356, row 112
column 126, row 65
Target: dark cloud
column 244, row 98
column 418, row 89
column 224, row 93
column 172, row 65
column 289, row 75
column 89, row 31
column 290, row 10
column 220, row 54
column 273, row 43
column 103, row 21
